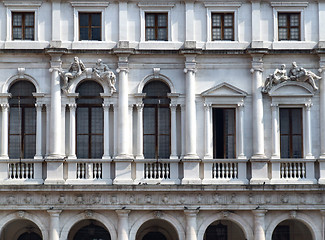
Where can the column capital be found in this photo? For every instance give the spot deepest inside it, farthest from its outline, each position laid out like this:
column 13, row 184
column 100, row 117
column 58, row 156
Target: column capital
column 122, row 68
column 54, row 212
column 38, row 106
column 274, row 105
column 4, row 106
column 308, row 106
column 241, row 105
column 173, row 106
column 207, row 106
column 259, row 212
column 139, row 106
column 191, row 212
column 72, row 106
column 190, row 69
column 106, row 106
column 122, row 212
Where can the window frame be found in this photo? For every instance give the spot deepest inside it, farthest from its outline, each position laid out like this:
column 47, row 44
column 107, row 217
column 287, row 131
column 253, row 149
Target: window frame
column 288, row 27
column 30, row 7
column 90, row 26
column 155, row 8
column 22, row 26
column 225, row 135
column 290, row 134
column 222, row 14
column 231, row 7
column 84, row 7
column 288, row 7
column 156, row 27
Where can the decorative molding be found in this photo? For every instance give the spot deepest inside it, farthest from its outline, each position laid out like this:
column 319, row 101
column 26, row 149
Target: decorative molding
column 289, row 4
column 26, row 3
column 89, row 4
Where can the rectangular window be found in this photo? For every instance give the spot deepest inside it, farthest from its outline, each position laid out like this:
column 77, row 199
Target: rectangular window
column 90, row 26
column 291, row 132
column 289, row 26
column 224, row 133
column 23, row 25
column 156, row 26
column 222, row 26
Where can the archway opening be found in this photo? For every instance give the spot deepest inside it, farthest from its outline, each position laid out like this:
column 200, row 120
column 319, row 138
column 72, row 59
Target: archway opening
column 157, row 229
column 89, row 230
column 21, row 229
column 224, row 230
column 291, row 230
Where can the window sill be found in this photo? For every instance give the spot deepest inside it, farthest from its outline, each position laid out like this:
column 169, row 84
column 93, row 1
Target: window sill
column 160, row 45
column 226, row 45
column 92, row 45
column 293, row 45
column 25, row 44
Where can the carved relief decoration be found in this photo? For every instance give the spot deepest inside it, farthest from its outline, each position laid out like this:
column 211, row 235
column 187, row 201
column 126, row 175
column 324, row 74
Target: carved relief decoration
column 100, row 72
column 296, row 73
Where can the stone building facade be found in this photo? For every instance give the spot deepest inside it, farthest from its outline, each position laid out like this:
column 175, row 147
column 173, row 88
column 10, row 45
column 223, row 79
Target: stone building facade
column 166, row 120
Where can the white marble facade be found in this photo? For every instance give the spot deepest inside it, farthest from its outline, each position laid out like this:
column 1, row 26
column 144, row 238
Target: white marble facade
column 55, row 193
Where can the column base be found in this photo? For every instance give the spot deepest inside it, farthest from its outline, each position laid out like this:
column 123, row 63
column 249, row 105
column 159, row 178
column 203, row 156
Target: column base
column 72, row 157
column 322, row 156
column 260, row 171
column 191, row 171
column 242, row 157
column 54, row 172
column 191, row 156
column 124, row 157
column 139, row 157
column 174, row 157
column 38, row 157
column 309, row 157
column 106, row 157
column 123, row 171
column 4, row 157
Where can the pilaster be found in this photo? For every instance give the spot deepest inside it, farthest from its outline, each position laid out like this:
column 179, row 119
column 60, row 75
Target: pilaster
column 39, row 107
column 308, row 145
column 5, row 129
column 241, row 132
column 208, row 131
column 275, row 132
column 56, row 24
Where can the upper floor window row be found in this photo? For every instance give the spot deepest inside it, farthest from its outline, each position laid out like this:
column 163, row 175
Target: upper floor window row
column 156, row 26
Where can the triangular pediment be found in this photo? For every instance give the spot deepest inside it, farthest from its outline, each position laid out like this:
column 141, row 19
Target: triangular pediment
column 224, row 90
column 292, row 89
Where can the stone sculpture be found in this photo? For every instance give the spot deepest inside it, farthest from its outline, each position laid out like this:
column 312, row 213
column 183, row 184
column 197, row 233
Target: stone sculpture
column 76, row 69
column 296, row 73
column 102, row 72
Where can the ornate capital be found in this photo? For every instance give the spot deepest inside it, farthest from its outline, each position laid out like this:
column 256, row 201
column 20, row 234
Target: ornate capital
column 207, row 106
column 121, row 69
column 187, row 70
column 72, row 106
column 4, row 106
column 308, row 106
column 38, row 106
column 106, row 106
column 241, row 105
column 139, row 106
column 173, row 106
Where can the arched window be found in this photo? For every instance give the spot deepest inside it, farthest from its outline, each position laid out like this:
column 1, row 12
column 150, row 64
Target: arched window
column 156, row 120
column 90, row 122
column 29, row 236
column 92, row 232
column 22, row 120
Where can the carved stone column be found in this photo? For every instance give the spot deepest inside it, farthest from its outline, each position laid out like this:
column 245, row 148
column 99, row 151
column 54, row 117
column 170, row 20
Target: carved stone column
column 191, row 226
column 241, row 133
column 123, row 115
column 131, row 129
column 190, row 113
column 139, row 150
column 55, row 155
column 208, row 132
column 106, row 131
column 259, row 224
column 123, row 159
column 183, row 107
column 4, row 133
column 258, row 115
column 322, row 107
column 123, row 224
column 191, row 161
column 323, row 224
column 54, row 224
column 173, row 134
column 39, row 143
column 308, row 148
column 72, row 140
column 258, row 160
column 275, row 132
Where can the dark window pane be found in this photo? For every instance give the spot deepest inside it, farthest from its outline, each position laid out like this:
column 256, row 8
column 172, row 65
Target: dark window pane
column 285, row 150
column 162, row 34
column 156, row 26
column 149, row 120
column 97, row 120
column 29, row 146
column 23, row 26
column 150, row 34
column 289, row 26
column 82, row 146
column 222, row 26
column 95, row 34
column 96, row 19
column 97, row 146
column 29, row 19
column 282, row 20
column 150, row 20
column 17, row 19
column 29, row 33
column 83, row 33
column 149, row 146
column 84, row 19
column 82, row 120
column 162, row 20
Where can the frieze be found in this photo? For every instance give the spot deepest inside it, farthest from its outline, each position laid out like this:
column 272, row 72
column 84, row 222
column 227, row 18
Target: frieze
column 173, row 200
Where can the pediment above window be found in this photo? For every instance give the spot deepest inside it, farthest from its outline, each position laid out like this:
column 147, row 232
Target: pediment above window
column 292, row 89
column 224, row 93
column 224, row 90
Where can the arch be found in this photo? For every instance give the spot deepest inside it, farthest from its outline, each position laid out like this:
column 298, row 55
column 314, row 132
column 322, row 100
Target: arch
column 150, row 216
column 292, row 88
column 24, row 215
column 20, row 77
column 84, row 216
column 155, row 77
column 85, row 77
column 242, row 224
column 316, row 234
